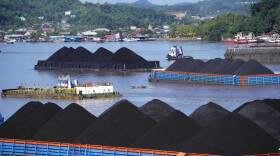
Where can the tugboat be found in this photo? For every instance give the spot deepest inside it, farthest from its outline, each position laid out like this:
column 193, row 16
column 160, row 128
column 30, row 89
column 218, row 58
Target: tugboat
column 175, row 53
column 65, row 89
column 138, row 87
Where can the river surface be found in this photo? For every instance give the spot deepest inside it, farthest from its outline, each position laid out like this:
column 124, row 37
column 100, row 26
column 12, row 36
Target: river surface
column 17, row 67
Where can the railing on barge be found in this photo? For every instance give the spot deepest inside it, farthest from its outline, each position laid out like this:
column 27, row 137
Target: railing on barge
column 29, row 147
column 190, row 77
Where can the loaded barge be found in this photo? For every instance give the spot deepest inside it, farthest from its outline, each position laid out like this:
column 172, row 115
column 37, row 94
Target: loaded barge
column 65, row 89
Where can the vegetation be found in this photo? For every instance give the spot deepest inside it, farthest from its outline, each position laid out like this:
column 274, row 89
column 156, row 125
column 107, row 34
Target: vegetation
column 87, row 15
column 264, row 18
column 51, row 10
column 118, row 16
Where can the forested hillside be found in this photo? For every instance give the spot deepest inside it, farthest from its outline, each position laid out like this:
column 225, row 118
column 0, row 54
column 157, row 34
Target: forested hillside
column 51, row 10
column 87, row 15
column 116, row 16
column 264, row 18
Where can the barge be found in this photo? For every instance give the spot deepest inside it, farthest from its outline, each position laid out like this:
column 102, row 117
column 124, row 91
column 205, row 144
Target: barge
column 207, row 78
column 65, row 89
column 264, row 54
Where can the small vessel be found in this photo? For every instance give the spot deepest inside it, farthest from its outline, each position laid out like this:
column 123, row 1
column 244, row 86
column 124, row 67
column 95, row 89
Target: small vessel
column 10, row 41
column 65, row 89
column 229, row 41
column 139, row 87
column 175, row 53
column 243, row 41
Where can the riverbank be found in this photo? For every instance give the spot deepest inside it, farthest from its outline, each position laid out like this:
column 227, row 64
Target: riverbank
column 180, row 39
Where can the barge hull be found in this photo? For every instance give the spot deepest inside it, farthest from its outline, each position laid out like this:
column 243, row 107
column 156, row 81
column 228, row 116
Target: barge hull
column 204, row 78
column 54, row 95
column 264, row 55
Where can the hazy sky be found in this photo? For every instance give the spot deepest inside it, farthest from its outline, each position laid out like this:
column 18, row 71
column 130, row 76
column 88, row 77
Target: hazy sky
column 160, row 2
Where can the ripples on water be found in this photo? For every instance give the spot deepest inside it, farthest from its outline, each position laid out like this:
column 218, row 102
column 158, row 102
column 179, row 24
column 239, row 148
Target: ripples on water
column 17, row 62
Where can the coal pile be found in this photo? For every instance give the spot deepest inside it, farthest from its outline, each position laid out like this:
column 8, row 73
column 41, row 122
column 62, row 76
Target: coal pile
column 250, row 129
column 210, row 67
column 8, row 127
column 101, row 55
column 206, row 114
column 274, row 103
column 81, row 58
column 219, row 66
column 156, row 109
column 65, row 125
column 61, row 55
column 187, row 65
column 223, row 66
column 234, row 66
column 232, row 134
column 120, row 125
column 252, row 67
column 264, row 116
column 80, row 54
column 126, row 55
column 173, row 129
column 26, row 129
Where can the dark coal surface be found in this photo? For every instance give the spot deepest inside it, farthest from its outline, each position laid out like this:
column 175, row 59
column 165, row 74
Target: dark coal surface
column 223, row 66
column 65, row 125
column 101, row 55
column 156, row 109
column 210, row 67
column 175, row 128
column 80, row 54
column 27, row 128
column 61, row 55
column 252, row 67
column 264, row 116
column 126, row 55
column 8, row 127
column 220, row 66
column 234, row 66
column 187, row 65
column 118, row 126
column 274, row 103
column 232, row 134
column 206, row 114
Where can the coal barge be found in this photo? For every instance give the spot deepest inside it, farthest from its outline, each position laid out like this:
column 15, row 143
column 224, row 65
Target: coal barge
column 266, row 54
column 102, row 59
column 65, row 89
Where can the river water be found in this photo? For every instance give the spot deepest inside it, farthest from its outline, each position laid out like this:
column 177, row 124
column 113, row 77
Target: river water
column 17, row 67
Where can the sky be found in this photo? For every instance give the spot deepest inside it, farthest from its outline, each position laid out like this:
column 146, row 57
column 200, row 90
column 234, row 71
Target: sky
column 159, row 2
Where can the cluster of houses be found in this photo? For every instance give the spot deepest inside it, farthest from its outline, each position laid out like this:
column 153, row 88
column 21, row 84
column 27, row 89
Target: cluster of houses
column 134, row 34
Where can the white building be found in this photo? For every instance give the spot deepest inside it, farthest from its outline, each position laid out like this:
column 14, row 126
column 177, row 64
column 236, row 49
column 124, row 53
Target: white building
column 88, row 33
column 22, row 18
column 101, row 30
column 95, row 89
column 133, row 27
column 68, row 13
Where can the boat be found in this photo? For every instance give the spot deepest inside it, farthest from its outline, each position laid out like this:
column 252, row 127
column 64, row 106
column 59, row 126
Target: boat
column 65, row 89
column 243, row 41
column 175, row 53
column 139, row 87
column 229, row 41
column 10, row 41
